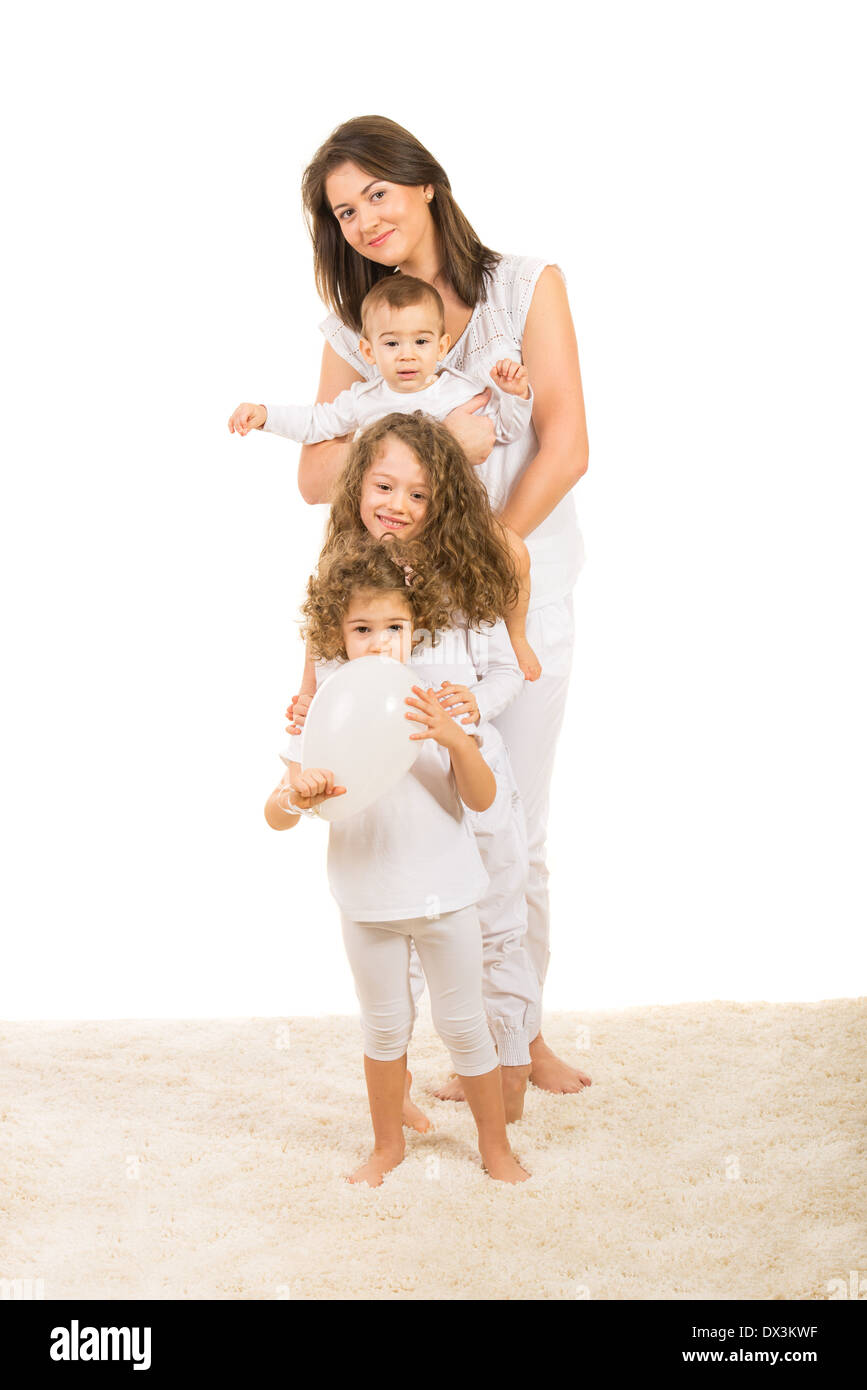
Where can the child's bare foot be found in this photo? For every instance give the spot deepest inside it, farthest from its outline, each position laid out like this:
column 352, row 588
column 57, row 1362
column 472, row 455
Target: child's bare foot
column 502, row 1166
column 451, row 1089
column 527, row 658
column 551, row 1073
column 381, row 1161
column 412, row 1116
column 514, row 1083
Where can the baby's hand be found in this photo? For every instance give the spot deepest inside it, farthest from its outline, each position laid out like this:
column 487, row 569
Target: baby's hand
column 247, row 417
column 440, row 725
column 309, row 788
column 511, row 377
column 296, row 713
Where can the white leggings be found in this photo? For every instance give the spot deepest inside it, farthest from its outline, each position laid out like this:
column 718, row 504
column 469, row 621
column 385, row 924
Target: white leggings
column 450, row 949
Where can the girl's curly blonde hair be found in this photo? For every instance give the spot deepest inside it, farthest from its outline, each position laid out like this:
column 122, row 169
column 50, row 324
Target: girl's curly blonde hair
column 462, row 540
column 358, row 563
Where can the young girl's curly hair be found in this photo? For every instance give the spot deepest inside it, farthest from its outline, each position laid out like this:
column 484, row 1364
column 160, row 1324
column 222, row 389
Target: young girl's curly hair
column 462, row 539
column 359, row 563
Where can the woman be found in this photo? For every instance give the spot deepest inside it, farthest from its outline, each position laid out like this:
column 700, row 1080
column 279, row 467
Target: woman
column 377, row 202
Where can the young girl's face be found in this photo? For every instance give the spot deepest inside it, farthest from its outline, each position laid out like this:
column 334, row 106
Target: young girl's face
column 378, row 624
column 395, row 493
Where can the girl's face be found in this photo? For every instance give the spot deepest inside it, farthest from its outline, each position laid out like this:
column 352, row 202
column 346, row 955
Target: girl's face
column 385, row 222
column 395, row 493
column 378, row 624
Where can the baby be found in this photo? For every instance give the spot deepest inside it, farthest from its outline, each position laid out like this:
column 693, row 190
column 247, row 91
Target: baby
column 403, row 326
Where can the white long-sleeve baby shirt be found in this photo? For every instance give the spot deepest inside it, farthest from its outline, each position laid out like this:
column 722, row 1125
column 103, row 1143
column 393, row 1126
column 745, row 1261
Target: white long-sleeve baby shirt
column 367, row 401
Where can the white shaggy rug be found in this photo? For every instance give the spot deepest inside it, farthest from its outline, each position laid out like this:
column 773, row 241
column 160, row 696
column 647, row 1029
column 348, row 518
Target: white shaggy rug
column 719, row 1154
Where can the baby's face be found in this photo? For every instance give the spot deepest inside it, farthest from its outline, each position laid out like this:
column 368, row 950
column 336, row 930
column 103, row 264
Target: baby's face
column 395, row 492
column 405, row 344
column 378, row 624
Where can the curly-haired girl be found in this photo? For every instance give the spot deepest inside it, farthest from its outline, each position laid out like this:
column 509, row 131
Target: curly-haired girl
column 387, row 861
column 408, row 480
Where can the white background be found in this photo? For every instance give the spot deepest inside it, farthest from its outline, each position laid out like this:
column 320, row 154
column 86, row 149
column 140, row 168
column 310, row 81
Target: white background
column 697, row 170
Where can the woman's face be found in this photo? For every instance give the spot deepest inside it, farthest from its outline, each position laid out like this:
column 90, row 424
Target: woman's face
column 395, row 493
column 385, row 222
column 378, row 624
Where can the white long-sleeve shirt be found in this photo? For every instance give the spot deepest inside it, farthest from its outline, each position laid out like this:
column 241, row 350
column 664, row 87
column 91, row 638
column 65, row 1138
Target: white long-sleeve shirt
column 367, row 401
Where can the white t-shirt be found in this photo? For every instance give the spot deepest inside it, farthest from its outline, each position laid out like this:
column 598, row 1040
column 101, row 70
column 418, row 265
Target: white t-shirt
column 413, row 852
column 496, row 330
column 383, row 863
column 367, row 401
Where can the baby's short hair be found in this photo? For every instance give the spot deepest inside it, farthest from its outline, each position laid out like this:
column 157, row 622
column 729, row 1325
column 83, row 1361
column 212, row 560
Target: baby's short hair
column 401, row 292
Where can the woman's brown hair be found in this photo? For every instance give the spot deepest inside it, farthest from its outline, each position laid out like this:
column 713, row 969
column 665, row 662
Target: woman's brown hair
column 461, row 539
column 356, row 563
column 384, row 149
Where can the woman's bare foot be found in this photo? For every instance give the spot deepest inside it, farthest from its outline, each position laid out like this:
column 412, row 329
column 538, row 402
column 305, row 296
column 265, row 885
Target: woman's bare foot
column 550, row 1073
column 381, row 1161
column 527, row 658
column 412, row 1116
column 514, row 1082
column 451, row 1089
column 502, row 1166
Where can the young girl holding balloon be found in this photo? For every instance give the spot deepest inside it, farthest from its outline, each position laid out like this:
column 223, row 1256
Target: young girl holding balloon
column 407, row 479
column 407, row 849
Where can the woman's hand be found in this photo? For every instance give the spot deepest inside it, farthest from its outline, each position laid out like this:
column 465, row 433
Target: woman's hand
column 247, row 417
column 458, row 699
column 308, row 789
column 439, row 724
column 474, row 433
column 296, row 712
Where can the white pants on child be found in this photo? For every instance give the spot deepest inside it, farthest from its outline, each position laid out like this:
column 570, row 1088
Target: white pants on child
column 450, row 949
column 510, row 985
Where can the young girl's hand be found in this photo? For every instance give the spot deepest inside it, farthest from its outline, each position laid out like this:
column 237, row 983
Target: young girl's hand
column 459, row 699
column 440, row 725
column 511, row 377
column 309, row 788
column 296, row 712
column 247, row 417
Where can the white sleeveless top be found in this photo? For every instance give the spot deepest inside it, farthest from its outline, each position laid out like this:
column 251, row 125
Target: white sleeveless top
column 496, row 330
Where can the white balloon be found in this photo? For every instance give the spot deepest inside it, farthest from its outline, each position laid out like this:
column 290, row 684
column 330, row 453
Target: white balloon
column 355, row 726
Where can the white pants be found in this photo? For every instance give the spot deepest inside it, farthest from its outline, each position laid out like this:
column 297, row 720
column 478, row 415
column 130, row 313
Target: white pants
column 530, row 728
column 450, row 949
column 510, row 984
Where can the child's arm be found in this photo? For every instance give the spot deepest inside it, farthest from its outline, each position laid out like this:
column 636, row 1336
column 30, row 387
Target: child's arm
column 516, row 618
column 300, row 703
column 306, row 424
column 511, row 405
column 476, row 783
column 306, row 790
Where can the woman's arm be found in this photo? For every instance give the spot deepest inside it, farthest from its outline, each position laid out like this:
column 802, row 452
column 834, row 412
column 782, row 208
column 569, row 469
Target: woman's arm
column 550, row 355
column 320, row 464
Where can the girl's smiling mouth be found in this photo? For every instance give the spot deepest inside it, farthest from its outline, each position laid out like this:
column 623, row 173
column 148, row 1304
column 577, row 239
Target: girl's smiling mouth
column 390, row 521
